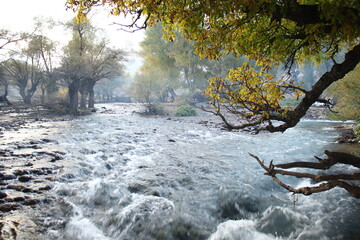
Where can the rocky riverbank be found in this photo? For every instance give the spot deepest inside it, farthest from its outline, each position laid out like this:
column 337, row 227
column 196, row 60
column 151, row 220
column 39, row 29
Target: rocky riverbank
column 347, row 135
column 317, row 113
column 29, row 164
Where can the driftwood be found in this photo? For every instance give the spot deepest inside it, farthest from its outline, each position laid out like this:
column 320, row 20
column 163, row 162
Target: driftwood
column 330, row 180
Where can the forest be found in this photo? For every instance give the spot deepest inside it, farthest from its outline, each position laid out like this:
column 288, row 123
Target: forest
column 226, row 91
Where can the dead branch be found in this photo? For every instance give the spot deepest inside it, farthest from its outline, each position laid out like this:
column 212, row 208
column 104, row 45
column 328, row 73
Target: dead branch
column 326, row 102
column 352, row 189
column 333, row 158
column 317, row 178
column 333, row 180
column 344, row 158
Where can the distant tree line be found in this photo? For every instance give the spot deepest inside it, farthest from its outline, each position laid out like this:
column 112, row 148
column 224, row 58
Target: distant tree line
column 38, row 66
column 172, row 67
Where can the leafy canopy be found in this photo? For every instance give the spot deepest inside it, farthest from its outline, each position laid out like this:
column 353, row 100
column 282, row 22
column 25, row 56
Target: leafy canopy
column 274, row 28
column 269, row 31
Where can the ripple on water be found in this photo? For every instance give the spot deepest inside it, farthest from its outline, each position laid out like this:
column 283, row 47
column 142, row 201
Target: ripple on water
column 131, row 182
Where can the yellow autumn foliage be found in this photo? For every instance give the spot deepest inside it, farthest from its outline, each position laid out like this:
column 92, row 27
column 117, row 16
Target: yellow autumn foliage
column 248, row 88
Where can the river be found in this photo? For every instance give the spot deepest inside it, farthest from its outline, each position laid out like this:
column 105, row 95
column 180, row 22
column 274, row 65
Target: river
column 131, row 177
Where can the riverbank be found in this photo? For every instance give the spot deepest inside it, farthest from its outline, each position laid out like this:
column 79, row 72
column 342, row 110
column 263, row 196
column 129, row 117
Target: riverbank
column 346, row 133
column 29, row 165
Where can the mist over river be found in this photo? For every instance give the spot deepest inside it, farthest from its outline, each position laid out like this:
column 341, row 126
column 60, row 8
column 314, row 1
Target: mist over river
column 126, row 176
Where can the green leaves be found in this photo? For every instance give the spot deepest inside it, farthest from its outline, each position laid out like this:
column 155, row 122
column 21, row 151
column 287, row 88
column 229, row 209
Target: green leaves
column 347, row 94
column 277, row 29
column 185, row 110
column 282, row 30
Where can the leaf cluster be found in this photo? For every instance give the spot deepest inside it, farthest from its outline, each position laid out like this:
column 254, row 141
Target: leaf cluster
column 251, row 94
column 285, row 30
column 185, row 110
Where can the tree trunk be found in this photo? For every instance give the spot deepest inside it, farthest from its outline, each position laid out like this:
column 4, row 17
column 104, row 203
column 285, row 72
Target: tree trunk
column 27, row 99
column 3, row 98
column 83, row 94
column 83, row 98
column 173, row 94
column 74, row 101
column 91, row 98
column 22, row 94
column 51, row 86
column 43, row 91
column 337, row 72
column 26, row 94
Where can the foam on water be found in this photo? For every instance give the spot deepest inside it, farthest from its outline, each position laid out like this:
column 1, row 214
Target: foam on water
column 275, row 223
column 82, row 228
column 241, row 229
column 130, row 177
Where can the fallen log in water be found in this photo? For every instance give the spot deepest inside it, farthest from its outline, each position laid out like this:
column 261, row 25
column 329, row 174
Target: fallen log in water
column 330, row 180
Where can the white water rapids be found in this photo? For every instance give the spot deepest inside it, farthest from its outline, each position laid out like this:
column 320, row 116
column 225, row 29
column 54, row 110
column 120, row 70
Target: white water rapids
column 132, row 177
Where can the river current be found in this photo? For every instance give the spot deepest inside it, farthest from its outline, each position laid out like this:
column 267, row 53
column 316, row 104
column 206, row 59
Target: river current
column 126, row 176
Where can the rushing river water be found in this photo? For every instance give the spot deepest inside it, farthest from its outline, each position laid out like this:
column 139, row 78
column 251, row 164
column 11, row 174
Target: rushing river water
column 131, row 177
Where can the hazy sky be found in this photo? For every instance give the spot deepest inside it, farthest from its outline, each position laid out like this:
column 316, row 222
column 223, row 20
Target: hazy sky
column 18, row 15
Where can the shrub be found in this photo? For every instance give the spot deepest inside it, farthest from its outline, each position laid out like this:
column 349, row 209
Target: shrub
column 185, row 110
column 154, row 109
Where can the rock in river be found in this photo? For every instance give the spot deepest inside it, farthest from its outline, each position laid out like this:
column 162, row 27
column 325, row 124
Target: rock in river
column 3, row 195
column 24, row 178
column 7, row 207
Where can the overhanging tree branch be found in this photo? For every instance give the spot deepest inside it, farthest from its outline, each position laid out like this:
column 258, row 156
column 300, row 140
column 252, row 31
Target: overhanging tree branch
column 255, row 106
column 333, row 180
column 338, row 71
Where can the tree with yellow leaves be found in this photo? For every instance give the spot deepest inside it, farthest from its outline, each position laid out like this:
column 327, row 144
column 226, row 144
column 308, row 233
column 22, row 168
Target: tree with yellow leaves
column 268, row 32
